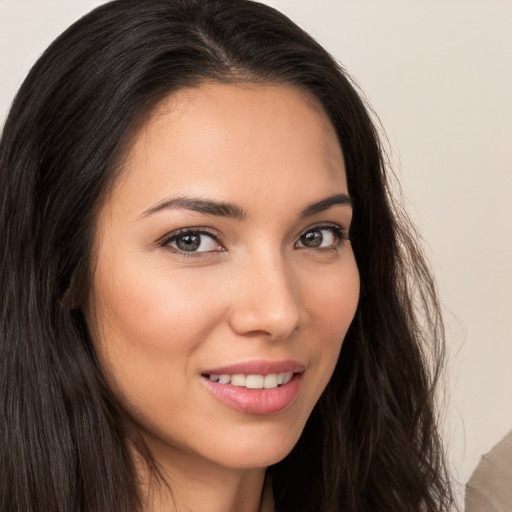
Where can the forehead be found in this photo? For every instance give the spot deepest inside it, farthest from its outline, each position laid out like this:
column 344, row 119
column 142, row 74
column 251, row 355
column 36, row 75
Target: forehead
column 242, row 139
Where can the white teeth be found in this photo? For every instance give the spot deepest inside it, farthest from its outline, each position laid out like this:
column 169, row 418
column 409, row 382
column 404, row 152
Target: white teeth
column 270, row 381
column 238, row 380
column 254, row 381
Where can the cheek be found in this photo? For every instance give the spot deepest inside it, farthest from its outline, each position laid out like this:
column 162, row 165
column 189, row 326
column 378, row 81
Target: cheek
column 159, row 311
column 147, row 325
column 334, row 301
column 331, row 308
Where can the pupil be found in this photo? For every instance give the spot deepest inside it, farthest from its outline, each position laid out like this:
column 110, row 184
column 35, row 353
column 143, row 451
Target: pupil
column 312, row 238
column 189, row 242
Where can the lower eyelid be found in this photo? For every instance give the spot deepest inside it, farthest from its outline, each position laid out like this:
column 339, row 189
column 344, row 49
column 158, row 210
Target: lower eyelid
column 167, row 242
column 338, row 232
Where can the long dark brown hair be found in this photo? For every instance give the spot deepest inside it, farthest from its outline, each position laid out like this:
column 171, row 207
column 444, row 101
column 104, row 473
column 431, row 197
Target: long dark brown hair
column 371, row 443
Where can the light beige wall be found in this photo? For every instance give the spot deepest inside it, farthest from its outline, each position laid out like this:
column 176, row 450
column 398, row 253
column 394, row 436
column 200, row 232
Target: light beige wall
column 439, row 74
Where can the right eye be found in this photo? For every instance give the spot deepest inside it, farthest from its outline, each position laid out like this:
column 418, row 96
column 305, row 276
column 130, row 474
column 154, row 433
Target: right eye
column 322, row 237
column 192, row 241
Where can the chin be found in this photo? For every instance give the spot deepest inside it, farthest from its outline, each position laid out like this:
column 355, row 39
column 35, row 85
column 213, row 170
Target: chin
column 258, row 448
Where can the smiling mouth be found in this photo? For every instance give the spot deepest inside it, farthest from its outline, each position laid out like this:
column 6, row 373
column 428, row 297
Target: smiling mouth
column 269, row 381
column 256, row 387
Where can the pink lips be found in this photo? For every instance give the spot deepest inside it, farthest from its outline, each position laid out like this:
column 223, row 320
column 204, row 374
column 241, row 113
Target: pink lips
column 259, row 368
column 257, row 401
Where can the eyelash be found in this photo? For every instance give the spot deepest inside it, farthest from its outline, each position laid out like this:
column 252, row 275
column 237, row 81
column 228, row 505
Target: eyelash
column 339, row 233
column 168, row 239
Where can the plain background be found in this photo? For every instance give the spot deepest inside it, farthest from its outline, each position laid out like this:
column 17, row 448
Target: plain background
column 439, row 75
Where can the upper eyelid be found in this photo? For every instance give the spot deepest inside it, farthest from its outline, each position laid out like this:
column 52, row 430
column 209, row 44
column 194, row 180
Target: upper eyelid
column 182, row 231
column 339, row 229
column 326, row 225
column 202, row 230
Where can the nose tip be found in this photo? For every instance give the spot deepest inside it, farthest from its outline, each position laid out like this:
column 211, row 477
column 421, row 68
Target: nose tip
column 266, row 306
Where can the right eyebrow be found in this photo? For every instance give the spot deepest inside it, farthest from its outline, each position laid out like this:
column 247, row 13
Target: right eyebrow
column 197, row 204
column 325, row 204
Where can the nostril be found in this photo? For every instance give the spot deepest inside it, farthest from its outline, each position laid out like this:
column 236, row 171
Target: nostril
column 262, row 320
column 264, row 301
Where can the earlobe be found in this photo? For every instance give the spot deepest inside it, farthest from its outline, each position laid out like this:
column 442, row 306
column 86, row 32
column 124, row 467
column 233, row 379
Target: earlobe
column 69, row 298
column 65, row 300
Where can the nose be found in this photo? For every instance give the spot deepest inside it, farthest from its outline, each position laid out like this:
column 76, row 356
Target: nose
column 265, row 301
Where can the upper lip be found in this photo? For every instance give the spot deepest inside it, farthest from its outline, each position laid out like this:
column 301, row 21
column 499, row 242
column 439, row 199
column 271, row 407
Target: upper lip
column 258, row 367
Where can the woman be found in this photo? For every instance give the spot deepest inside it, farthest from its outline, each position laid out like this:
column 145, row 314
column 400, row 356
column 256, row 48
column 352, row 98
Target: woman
column 208, row 300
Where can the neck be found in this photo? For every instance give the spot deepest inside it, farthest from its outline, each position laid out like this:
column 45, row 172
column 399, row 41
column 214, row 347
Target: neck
column 188, row 483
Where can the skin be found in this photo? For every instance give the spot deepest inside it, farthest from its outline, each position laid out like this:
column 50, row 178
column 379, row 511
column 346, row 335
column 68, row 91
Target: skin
column 161, row 316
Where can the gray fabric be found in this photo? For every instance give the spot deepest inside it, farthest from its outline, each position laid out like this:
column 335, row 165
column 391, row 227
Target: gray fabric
column 490, row 487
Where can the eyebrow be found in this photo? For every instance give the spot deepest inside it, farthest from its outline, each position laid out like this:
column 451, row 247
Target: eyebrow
column 207, row 206
column 325, row 204
column 221, row 209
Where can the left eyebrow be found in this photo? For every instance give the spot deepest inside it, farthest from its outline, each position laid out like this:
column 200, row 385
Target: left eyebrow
column 200, row 205
column 325, row 204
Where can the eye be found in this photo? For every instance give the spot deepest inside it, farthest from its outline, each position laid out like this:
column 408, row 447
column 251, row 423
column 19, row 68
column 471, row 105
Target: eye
column 191, row 241
column 321, row 237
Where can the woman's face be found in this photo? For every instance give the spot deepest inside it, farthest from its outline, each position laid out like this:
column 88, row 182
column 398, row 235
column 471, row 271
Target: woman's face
column 224, row 282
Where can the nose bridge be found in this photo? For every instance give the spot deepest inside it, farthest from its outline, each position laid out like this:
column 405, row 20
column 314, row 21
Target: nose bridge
column 266, row 299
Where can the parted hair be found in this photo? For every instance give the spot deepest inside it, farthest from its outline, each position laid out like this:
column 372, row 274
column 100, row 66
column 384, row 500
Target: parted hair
column 371, row 443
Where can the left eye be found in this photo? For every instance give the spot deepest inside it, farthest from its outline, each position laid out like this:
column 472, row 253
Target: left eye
column 193, row 241
column 321, row 237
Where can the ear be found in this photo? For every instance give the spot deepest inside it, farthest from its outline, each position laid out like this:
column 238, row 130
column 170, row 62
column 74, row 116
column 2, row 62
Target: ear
column 69, row 298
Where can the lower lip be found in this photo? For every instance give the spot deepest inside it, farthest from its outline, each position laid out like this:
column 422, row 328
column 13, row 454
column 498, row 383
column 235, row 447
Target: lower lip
column 257, row 401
